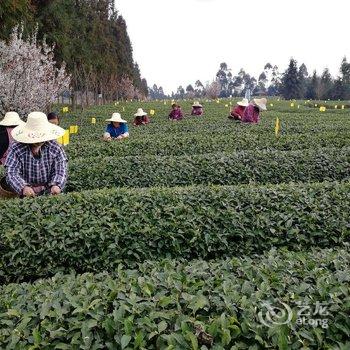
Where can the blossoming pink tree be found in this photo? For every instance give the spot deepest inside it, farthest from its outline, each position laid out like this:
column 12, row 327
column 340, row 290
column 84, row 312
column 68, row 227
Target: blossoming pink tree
column 29, row 77
column 212, row 90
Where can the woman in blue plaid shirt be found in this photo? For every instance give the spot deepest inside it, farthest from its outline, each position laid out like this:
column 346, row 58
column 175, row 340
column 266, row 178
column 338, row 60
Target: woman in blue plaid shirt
column 36, row 163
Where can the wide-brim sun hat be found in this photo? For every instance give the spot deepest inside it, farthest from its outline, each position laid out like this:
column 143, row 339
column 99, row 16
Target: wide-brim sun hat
column 11, row 119
column 117, row 118
column 260, row 103
column 140, row 113
column 197, row 104
column 37, row 129
column 243, row 103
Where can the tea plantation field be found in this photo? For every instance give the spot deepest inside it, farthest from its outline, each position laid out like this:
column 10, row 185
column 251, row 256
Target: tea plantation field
column 187, row 235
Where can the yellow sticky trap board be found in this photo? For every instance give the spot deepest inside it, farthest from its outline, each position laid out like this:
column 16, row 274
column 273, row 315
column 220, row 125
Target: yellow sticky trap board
column 164, row 102
column 72, row 129
column 271, row 104
column 322, row 109
column 230, row 103
column 64, row 140
column 93, row 120
column 277, row 126
column 226, row 105
column 342, row 107
column 116, row 103
column 315, row 104
column 217, row 101
column 335, row 107
column 75, row 129
column 292, row 104
column 65, row 109
column 151, row 112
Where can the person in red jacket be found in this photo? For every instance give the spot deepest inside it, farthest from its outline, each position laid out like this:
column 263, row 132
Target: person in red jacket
column 238, row 111
column 252, row 112
column 197, row 109
column 141, row 117
column 176, row 112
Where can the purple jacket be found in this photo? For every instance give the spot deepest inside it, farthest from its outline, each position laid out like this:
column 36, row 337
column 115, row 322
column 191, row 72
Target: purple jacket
column 251, row 114
column 176, row 114
column 197, row 111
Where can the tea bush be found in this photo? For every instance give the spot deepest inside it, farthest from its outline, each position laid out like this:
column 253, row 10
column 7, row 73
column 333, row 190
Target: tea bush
column 184, row 305
column 95, row 231
column 312, row 165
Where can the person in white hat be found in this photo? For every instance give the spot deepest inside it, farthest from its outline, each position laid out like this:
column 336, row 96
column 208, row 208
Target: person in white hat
column 117, row 128
column 141, row 117
column 252, row 112
column 238, row 111
column 197, row 109
column 10, row 121
column 36, row 163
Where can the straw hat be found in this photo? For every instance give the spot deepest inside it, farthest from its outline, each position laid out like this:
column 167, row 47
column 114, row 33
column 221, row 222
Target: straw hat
column 260, row 103
column 37, row 129
column 243, row 103
column 11, row 119
column 197, row 104
column 117, row 118
column 140, row 113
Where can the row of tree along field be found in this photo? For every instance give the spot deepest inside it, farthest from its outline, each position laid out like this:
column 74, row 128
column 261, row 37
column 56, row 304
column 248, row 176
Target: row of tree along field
column 90, row 42
column 89, row 37
column 294, row 83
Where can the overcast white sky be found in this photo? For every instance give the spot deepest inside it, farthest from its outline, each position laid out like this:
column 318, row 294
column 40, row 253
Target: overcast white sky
column 177, row 42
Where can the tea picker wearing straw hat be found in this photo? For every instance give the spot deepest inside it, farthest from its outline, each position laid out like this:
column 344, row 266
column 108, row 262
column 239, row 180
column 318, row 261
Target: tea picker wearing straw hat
column 252, row 112
column 197, row 109
column 36, row 163
column 141, row 117
column 238, row 111
column 117, row 128
column 10, row 121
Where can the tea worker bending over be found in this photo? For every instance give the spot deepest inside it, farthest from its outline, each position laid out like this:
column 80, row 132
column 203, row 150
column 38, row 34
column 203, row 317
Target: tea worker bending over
column 176, row 112
column 197, row 109
column 117, row 129
column 36, row 163
column 238, row 111
column 141, row 117
column 253, row 110
column 10, row 121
